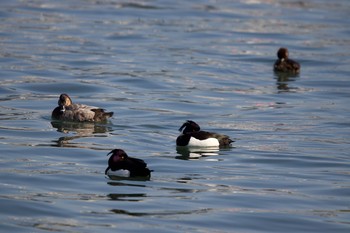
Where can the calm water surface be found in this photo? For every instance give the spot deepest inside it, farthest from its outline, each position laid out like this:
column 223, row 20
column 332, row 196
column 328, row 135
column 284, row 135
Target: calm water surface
column 157, row 64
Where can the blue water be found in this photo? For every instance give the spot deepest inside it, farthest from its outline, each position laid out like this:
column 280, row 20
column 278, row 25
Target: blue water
column 157, row 64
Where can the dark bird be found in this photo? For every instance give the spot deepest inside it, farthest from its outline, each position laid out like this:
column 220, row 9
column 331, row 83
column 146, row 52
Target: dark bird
column 67, row 111
column 284, row 64
column 125, row 166
column 193, row 136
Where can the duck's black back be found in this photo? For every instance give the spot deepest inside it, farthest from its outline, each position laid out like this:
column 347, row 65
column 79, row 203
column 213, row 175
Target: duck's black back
column 287, row 65
column 137, row 167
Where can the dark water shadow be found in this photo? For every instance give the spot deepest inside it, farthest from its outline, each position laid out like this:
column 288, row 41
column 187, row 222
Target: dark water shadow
column 161, row 213
column 140, row 178
column 283, row 80
column 116, row 183
column 133, row 197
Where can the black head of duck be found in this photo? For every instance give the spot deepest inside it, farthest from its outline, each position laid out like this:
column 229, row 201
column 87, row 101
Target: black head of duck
column 189, row 126
column 122, row 165
column 68, row 111
column 193, row 136
column 284, row 64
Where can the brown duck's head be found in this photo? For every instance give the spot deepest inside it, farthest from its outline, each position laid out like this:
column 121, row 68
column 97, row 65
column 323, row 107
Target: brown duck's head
column 64, row 100
column 283, row 53
column 117, row 155
column 189, row 126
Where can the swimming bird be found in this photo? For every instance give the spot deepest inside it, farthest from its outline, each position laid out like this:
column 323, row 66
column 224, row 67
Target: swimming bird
column 193, row 136
column 284, row 64
column 126, row 166
column 68, row 111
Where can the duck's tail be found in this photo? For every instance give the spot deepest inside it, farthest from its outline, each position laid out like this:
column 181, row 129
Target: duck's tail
column 225, row 141
column 108, row 114
column 101, row 115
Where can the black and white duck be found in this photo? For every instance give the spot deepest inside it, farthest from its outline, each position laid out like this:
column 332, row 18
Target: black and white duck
column 192, row 135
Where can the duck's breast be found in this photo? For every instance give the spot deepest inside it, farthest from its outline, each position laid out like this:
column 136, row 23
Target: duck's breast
column 119, row 172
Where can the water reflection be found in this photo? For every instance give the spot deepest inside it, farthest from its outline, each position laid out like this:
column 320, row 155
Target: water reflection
column 66, row 142
column 120, row 211
column 116, row 177
column 164, row 213
column 116, row 183
column 81, row 128
column 283, row 79
column 127, row 196
column 179, row 190
column 192, row 153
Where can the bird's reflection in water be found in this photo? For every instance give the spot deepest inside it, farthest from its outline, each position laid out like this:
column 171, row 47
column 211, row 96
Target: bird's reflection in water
column 80, row 130
column 283, row 79
column 116, row 177
column 162, row 212
column 116, row 182
column 135, row 197
column 192, row 153
column 119, row 211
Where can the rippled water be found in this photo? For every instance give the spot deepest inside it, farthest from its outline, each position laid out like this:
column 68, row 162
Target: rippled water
column 157, row 64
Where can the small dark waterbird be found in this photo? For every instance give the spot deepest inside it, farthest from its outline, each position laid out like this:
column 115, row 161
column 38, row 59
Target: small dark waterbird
column 284, row 64
column 131, row 167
